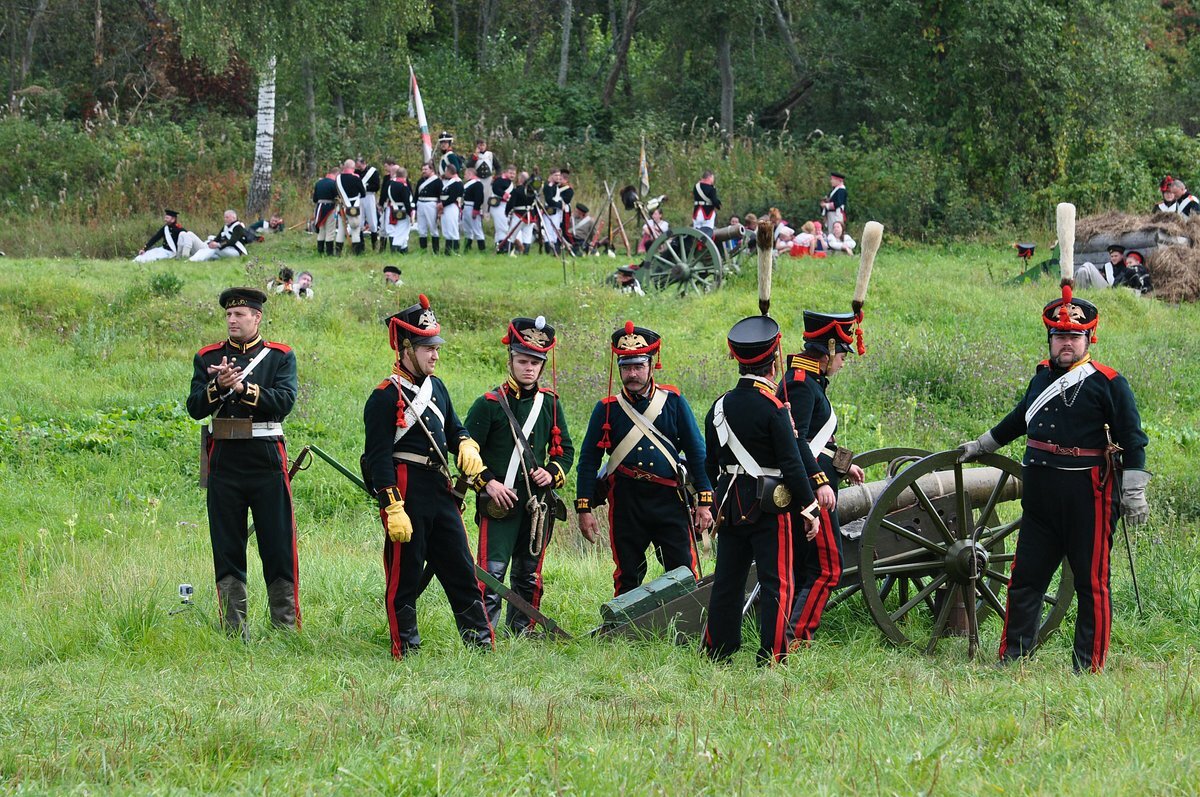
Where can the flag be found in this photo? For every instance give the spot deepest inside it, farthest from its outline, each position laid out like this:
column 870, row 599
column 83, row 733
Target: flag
column 426, row 141
column 644, row 171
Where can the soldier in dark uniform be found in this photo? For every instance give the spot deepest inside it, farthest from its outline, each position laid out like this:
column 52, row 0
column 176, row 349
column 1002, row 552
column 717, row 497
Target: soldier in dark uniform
column 1074, row 415
column 370, row 180
column 229, row 242
column 501, row 188
column 521, row 213
column 248, row 386
column 450, row 209
column 756, row 465
column 654, row 449
column 817, row 563
column 449, row 157
column 834, row 205
column 512, row 527
column 175, row 241
column 705, row 203
column 429, row 194
column 351, row 216
column 552, row 214
column 411, row 433
column 472, row 212
column 325, row 199
column 398, row 207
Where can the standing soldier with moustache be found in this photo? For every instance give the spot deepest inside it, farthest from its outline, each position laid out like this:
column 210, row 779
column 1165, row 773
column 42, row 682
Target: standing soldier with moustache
column 370, row 210
column 450, row 209
column 522, row 433
column 398, row 208
column 325, row 221
column 521, row 214
column 351, row 194
column 654, row 450
column 754, row 461
column 429, row 194
column 472, row 212
column 246, row 386
column 705, row 203
column 497, row 205
column 411, row 433
column 1085, row 459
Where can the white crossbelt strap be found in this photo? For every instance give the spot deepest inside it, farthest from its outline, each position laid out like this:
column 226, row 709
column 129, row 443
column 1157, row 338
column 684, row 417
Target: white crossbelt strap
column 346, row 200
column 418, row 399
column 168, row 239
column 635, row 434
column 824, row 434
column 1065, row 382
column 510, row 476
column 726, row 437
column 249, row 369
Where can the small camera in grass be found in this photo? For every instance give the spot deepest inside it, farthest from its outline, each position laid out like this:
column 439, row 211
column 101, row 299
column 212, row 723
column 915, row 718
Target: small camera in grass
column 185, row 593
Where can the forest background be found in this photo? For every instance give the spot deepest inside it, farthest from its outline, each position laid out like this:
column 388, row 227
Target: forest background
column 950, row 119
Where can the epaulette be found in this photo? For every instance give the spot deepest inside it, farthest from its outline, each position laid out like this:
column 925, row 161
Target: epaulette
column 671, row 389
column 778, row 404
column 210, row 347
column 491, row 396
column 1104, row 369
column 547, row 390
column 608, row 399
column 1043, row 365
column 798, row 374
column 270, row 344
column 383, row 385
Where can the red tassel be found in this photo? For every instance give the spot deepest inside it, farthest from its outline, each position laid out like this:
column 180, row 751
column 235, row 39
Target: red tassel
column 1095, row 337
column 556, row 449
column 858, row 336
column 605, row 439
column 401, row 421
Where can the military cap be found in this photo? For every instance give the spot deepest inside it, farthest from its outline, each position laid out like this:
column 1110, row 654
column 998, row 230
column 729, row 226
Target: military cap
column 391, row 270
column 754, row 340
column 1118, row 249
column 531, row 336
column 629, row 270
column 1070, row 316
column 169, row 212
column 838, row 175
column 242, row 297
column 633, row 344
column 416, row 325
column 826, row 331
column 1026, row 250
column 444, row 136
column 581, row 206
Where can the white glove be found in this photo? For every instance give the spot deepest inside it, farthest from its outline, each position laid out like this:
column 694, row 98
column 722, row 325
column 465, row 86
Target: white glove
column 973, row 449
column 1134, row 506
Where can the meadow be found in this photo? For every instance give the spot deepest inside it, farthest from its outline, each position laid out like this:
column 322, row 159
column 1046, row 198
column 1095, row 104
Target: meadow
column 106, row 688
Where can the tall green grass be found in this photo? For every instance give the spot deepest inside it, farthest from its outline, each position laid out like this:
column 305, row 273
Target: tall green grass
column 103, row 691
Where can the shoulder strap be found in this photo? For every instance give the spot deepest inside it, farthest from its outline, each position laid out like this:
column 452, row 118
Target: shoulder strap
column 635, row 434
column 522, row 453
column 1066, row 381
column 726, row 437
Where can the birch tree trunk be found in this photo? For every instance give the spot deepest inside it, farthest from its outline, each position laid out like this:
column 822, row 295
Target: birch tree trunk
column 264, row 144
column 565, row 53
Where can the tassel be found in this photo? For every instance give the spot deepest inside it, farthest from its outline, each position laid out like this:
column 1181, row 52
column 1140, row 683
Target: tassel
column 605, row 439
column 556, row 449
column 858, row 336
column 401, row 421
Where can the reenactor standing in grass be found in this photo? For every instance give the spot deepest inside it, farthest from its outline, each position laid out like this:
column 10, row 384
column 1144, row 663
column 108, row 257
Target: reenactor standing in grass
column 761, row 480
column 449, row 156
column 370, row 211
column 834, row 204
column 817, row 562
column 450, row 209
column 522, row 433
column 398, row 208
column 429, row 194
column 705, row 203
column 325, row 199
column 1085, row 458
column 411, row 432
column 654, row 452
column 352, row 196
column 246, row 386
column 472, row 210
column 501, row 191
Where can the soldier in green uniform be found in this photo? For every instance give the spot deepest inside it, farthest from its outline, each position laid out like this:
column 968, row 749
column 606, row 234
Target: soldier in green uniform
column 522, row 433
column 247, row 386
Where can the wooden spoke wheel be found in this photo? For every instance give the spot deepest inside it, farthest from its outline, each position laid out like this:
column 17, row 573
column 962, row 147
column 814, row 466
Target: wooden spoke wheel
column 684, row 260
column 936, row 548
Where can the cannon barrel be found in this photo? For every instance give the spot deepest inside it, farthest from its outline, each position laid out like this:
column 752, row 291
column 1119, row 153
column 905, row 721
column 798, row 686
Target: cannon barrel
column 856, row 501
column 728, row 233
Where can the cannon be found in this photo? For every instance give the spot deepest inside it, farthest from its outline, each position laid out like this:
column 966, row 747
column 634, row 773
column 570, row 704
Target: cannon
column 927, row 547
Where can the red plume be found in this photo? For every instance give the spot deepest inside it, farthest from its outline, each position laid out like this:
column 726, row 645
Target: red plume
column 424, row 300
column 628, row 327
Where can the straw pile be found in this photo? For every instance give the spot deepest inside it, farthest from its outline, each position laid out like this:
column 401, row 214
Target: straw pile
column 1175, row 270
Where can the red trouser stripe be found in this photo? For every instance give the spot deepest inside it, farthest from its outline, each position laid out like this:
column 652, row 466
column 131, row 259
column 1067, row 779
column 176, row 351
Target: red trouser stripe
column 1101, row 597
column 786, row 593
column 612, row 543
column 287, row 483
column 1004, row 630
column 393, row 568
column 481, row 554
column 831, row 574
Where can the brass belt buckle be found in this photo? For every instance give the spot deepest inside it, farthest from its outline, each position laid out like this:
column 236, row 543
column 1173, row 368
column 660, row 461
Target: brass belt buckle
column 232, row 429
column 1066, row 452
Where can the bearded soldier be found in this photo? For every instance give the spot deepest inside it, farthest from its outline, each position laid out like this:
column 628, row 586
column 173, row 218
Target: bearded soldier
column 411, row 432
column 246, row 386
column 522, row 434
column 654, row 451
column 429, row 194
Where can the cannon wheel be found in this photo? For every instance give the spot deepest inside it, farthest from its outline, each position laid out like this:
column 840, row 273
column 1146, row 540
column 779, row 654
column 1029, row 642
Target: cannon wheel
column 683, row 259
column 948, row 559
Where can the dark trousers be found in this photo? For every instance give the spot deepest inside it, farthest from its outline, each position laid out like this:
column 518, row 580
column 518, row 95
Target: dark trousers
column 641, row 514
column 440, row 539
column 768, row 543
column 250, row 477
column 817, row 568
column 506, row 541
column 1067, row 513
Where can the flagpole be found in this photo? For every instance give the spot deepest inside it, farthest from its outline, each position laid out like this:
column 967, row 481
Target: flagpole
column 422, row 123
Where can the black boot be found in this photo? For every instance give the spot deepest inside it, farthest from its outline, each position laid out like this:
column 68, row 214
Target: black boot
column 359, row 246
column 320, row 248
column 374, row 242
column 424, row 242
column 394, row 249
column 403, row 250
column 285, row 611
column 523, row 581
column 337, row 250
column 491, row 600
column 231, row 599
column 437, row 242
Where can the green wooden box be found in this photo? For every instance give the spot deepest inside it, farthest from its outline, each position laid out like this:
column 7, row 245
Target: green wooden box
column 648, row 597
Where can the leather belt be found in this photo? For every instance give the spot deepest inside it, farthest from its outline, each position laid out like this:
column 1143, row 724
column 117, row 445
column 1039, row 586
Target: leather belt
column 1065, row 451
column 827, row 451
column 738, row 470
column 643, row 476
column 426, row 201
column 231, row 431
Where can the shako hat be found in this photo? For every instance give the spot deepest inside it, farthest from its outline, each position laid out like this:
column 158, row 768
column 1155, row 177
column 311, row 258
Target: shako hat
column 1134, row 258
column 414, row 326
column 829, row 333
column 633, row 344
column 444, row 136
column 530, row 336
column 242, row 297
column 1026, row 250
column 1166, row 183
column 169, row 212
column 753, row 340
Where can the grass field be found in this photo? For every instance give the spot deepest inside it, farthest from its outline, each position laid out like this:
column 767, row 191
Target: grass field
column 102, row 690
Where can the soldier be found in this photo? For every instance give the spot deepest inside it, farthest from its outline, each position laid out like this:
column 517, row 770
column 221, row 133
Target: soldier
column 246, row 386
column 449, row 157
column 582, row 227
column 1185, row 202
column 1169, row 202
column 176, row 241
column 705, row 203
column 411, row 431
column 352, row 194
column 398, row 208
column 522, row 432
column 501, row 192
column 552, row 216
column 817, row 562
column 834, row 205
column 230, row 242
column 429, row 194
column 647, row 430
column 391, row 276
column 521, row 213
column 370, row 210
column 483, row 161
column 472, row 216
column 1081, row 428
column 450, row 209
column 325, row 199
column 760, row 478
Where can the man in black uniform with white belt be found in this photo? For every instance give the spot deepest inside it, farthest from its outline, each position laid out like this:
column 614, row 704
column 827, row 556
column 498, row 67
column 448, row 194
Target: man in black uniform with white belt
column 248, row 386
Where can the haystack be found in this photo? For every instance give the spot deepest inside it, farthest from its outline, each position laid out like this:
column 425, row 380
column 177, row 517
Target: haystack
column 1170, row 243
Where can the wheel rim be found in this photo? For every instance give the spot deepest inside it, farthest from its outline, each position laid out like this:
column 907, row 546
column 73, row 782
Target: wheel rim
column 684, row 260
